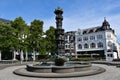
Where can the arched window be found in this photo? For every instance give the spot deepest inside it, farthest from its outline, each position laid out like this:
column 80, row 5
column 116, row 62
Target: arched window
column 100, row 45
column 92, row 45
column 110, row 44
column 79, row 46
column 85, row 45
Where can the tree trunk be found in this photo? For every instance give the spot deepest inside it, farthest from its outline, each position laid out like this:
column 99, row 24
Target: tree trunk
column 14, row 56
column 26, row 56
column 0, row 56
column 21, row 56
column 34, row 57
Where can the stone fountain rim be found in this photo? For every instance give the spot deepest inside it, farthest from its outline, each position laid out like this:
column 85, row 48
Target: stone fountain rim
column 82, row 64
column 23, row 72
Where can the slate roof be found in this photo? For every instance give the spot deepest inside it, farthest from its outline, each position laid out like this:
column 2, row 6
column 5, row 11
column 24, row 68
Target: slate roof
column 105, row 26
column 5, row 20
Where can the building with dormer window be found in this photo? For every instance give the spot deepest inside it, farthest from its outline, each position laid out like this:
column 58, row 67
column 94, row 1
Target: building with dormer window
column 99, row 41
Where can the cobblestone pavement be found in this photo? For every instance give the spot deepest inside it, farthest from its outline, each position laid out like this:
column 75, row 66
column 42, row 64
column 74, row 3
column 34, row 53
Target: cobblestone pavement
column 112, row 73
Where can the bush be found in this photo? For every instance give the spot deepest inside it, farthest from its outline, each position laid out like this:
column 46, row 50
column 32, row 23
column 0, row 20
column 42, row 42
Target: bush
column 59, row 61
column 116, row 59
column 43, row 57
column 82, row 59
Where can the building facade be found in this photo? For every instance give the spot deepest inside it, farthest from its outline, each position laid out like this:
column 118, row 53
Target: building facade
column 98, row 41
column 70, row 43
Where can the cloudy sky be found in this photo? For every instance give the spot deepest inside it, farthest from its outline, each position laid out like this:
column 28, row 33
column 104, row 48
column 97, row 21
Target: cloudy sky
column 78, row 14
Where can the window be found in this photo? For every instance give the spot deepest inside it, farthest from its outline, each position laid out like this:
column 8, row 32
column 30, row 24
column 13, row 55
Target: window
column 114, row 47
column 85, row 38
column 80, row 39
column 66, row 37
column 79, row 46
column 110, row 55
column 66, row 41
column 110, row 44
column 100, row 45
column 85, row 45
column 84, row 32
column 72, row 45
column 92, row 45
column 92, row 37
column 99, row 37
column 70, row 37
column 90, row 31
column 65, row 46
column 108, row 35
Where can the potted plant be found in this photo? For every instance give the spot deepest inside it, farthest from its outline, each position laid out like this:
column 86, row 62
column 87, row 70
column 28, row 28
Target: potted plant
column 60, row 61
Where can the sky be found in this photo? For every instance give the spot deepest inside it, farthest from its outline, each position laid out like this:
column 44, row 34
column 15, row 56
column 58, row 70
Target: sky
column 78, row 14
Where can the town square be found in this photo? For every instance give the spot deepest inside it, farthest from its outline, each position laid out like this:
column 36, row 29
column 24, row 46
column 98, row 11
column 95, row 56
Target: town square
column 57, row 39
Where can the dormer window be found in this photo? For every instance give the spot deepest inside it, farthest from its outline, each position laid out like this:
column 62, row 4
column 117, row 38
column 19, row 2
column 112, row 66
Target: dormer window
column 105, row 25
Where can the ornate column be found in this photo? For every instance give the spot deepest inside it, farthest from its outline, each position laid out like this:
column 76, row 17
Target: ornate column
column 60, row 49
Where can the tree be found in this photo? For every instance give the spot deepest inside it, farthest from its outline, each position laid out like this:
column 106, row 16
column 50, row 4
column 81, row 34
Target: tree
column 50, row 40
column 8, row 40
column 36, row 37
column 21, row 33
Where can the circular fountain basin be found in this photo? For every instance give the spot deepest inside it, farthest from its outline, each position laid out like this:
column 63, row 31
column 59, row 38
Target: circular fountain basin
column 67, row 68
column 71, row 69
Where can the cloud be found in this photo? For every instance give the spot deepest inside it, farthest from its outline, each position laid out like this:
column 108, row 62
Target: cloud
column 73, row 23
column 90, row 15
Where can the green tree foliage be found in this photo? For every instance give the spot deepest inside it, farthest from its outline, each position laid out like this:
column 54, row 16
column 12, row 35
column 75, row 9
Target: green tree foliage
column 21, row 32
column 37, row 42
column 50, row 40
column 8, row 40
column 19, row 36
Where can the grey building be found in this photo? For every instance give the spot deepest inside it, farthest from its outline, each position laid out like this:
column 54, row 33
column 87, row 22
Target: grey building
column 70, row 43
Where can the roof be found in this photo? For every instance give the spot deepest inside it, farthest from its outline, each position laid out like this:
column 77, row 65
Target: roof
column 70, row 32
column 91, row 30
column 105, row 26
column 95, row 29
column 5, row 20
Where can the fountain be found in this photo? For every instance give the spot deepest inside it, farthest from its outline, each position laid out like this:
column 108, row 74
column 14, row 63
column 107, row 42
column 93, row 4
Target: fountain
column 54, row 69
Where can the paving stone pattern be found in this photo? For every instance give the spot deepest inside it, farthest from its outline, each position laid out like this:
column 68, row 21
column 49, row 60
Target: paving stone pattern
column 112, row 73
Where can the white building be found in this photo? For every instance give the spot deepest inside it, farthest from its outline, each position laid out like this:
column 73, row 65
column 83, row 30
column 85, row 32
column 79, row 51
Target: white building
column 100, row 40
